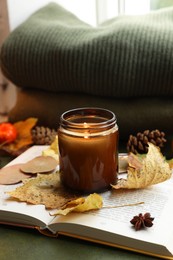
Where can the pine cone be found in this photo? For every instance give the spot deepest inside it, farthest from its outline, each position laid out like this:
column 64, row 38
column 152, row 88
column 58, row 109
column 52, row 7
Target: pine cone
column 139, row 143
column 43, row 135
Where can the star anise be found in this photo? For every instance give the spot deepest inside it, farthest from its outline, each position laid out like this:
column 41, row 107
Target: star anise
column 142, row 221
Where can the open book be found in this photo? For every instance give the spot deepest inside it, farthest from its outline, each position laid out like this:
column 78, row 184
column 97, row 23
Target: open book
column 110, row 226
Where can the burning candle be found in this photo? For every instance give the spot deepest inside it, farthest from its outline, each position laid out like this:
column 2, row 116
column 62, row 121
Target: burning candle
column 88, row 145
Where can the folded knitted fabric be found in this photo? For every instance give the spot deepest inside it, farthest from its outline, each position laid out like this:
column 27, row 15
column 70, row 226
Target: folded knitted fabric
column 128, row 56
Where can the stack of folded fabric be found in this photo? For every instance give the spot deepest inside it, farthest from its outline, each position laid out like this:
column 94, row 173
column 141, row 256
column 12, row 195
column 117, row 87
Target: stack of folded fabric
column 127, row 62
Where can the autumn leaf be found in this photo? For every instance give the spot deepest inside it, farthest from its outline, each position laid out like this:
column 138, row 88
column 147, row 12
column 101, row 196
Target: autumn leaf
column 12, row 174
column 134, row 161
column 24, row 137
column 43, row 189
column 170, row 163
column 39, row 164
column 151, row 170
column 24, row 131
column 52, row 150
column 93, row 201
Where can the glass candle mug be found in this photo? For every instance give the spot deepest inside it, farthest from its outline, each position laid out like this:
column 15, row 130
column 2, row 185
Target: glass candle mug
column 88, row 146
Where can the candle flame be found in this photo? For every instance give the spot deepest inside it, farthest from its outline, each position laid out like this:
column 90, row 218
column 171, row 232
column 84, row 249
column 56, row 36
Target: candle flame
column 85, row 133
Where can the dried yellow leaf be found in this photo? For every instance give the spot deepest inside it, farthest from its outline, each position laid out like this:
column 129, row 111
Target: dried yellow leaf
column 171, row 163
column 154, row 169
column 93, row 201
column 52, row 150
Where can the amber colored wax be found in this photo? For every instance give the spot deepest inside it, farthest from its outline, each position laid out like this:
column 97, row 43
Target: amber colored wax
column 88, row 164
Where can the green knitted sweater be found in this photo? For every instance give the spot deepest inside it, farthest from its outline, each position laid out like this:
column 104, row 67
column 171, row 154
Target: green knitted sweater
column 128, row 56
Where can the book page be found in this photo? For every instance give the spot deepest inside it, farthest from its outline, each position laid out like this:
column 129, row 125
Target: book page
column 157, row 200
column 111, row 223
column 20, row 212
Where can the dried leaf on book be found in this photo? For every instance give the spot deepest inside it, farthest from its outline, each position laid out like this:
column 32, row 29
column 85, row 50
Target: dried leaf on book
column 135, row 161
column 93, row 201
column 12, row 174
column 40, row 164
column 52, row 150
column 151, row 170
column 44, row 189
